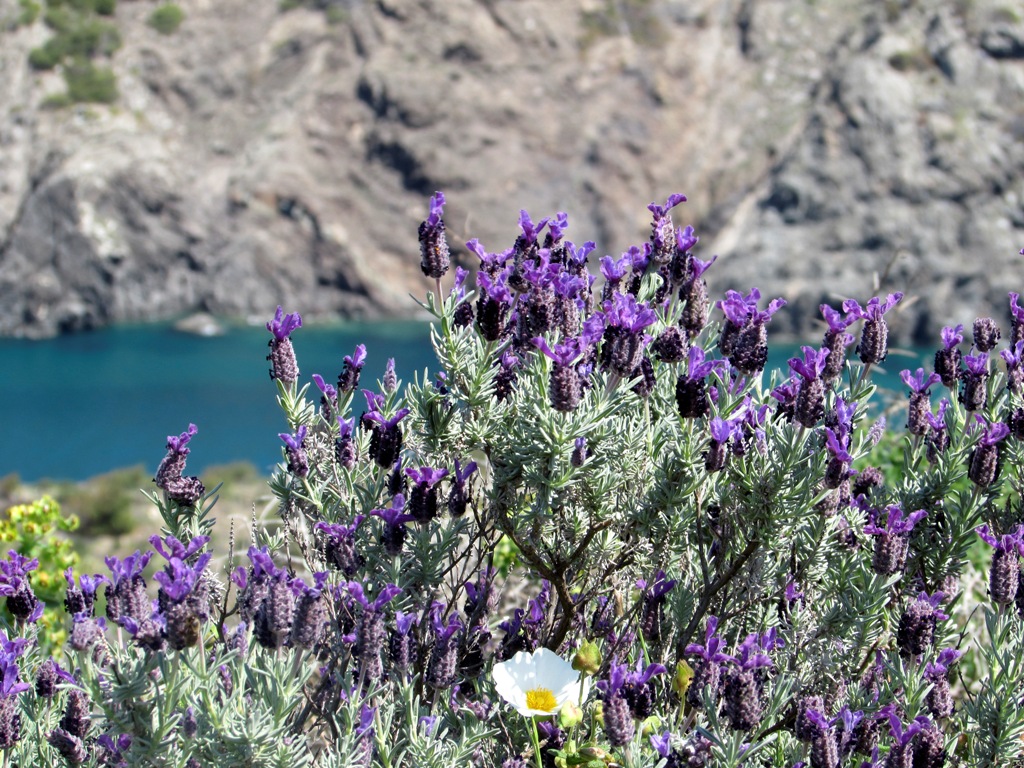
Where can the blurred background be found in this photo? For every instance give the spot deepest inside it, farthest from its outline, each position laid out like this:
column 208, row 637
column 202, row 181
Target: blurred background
column 171, row 172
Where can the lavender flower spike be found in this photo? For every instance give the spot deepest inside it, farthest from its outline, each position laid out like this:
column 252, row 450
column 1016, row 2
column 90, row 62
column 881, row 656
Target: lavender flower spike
column 662, row 231
column 986, row 458
column 458, row 499
column 298, row 463
column 435, row 258
column 1004, row 573
column 874, row 338
column 919, row 407
column 283, row 365
column 810, row 401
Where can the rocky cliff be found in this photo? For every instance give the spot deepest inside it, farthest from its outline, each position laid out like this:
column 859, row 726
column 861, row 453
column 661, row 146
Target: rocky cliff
column 260, row 156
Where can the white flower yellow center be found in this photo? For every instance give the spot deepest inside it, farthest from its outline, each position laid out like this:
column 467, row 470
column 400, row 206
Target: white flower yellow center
column 541, row 699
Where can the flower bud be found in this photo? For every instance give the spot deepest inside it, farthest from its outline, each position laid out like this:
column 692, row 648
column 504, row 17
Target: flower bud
column 588, row 658
column 569, row 716
column 681, row 679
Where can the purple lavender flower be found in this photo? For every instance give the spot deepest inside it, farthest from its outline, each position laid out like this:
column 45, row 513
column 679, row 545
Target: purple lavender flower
column 920, row 405
column 637, row 689
column 50, row 675
column 184, row 491
column 283, row 365
column 839, row 459
column 900, row 753
column 986, row 460
column 986, row 334
column 824, row 751
column 402, row 642
column 741, row 691
column 707, row 672
column 691, row 387
column 458, row 498
column 115, row 752
column 126, row 592
column 654, row 596
column 435, row 258
column 522, row 631
column 1004, row 573
column 618, row 718
column 662, row 231
column 70, row 747
column 15, row 586
column 785, row 394
column 386, row 440
column 183, row 595
column 275, row 616
column 973, row 394
column 423, row 499
column 948, row 359
column 1014, row 359
column 892, row 540
column 173, row 464
column 916, row 631
column 1016, row 319
column 393, row 536
column 640, row 257
column 717, row 453
column 874, row 337
column 493, row 304
column 564, row 387
column 253, row 584
column 576, row 257
column 939, row 700
column 613, row 270
column 524, row 249
column 490, row 263
column 810, row 399
column 76, row 719
column 298, row 463
column 310, row 617
column 339, row 546
column 624, row 337
column 694, row 294
column 351, row 370
column 462, row 317
column 836, row 341
column 556, row 229
column 10, row 686
column 442, row 665
column 370, row 629
column 344, row 445
column 481, row 596
column 938, row 435
column 328, row 396
column 744, row 339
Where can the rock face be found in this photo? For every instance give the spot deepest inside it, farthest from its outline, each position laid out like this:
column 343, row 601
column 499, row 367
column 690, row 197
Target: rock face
column 260, row 156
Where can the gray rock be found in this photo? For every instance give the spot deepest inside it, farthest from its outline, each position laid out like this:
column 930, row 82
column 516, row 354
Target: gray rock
column 260, row 157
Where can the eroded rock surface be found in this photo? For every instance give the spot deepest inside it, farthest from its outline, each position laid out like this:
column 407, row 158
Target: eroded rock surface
column 258, row 156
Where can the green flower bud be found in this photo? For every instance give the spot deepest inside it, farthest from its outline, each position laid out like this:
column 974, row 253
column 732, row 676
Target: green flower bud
column 681, row 679
column 569, row 716
column 588, row 658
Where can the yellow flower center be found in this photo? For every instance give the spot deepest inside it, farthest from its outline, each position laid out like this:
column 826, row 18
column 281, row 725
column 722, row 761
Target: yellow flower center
column 541, row 698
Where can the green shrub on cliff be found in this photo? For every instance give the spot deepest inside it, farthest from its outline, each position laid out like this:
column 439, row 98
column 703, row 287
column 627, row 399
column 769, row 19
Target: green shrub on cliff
column 167, row 18
column 79, row 37
column 89, row 83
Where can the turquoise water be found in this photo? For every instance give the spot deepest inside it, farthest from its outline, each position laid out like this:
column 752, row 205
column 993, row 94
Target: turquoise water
column 76, row 406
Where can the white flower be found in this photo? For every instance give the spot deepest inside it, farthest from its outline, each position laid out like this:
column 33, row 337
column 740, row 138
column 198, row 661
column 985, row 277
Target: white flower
column 538, row 683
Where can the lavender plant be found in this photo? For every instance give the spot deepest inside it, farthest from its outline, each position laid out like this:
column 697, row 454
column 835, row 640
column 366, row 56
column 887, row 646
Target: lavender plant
column 600, row 534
